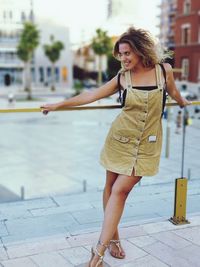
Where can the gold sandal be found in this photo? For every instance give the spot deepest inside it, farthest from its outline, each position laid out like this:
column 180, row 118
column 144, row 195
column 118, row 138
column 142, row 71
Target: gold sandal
column 118, row 245
column 96, row 252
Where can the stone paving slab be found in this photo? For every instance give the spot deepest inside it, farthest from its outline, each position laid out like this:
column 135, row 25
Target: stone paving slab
column 22, row 262
column 38, row 246
column 3, row 254
column 166, row 254
column 147, row 261
column 51, row 260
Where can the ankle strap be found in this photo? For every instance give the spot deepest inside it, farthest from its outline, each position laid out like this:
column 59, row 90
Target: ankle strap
column 102, row 244
column 99, row 254
column 115, row 241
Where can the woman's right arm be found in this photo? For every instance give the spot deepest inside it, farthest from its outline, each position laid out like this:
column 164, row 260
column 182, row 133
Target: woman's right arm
column 84, row 98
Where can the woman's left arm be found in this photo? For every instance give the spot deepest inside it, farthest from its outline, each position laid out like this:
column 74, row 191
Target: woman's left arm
column 172, row 89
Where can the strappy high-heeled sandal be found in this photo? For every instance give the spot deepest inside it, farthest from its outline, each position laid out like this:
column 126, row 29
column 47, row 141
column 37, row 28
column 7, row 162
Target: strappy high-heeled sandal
column 118, row 245
column 94, row 251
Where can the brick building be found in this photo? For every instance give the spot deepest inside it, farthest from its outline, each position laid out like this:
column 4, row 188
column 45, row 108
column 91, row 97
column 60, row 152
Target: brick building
column 187, row 40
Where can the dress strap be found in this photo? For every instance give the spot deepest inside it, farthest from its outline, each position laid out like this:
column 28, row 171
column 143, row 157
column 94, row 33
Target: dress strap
column 128, row 79
column 159, row 76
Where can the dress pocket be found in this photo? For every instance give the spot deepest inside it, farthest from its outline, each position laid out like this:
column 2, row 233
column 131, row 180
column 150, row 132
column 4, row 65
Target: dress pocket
column 121, row 138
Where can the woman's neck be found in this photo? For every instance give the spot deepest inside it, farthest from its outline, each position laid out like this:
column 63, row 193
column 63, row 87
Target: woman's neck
column 141, row 69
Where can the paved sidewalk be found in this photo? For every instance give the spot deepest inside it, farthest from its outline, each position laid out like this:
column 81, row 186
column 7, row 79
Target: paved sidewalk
column 156, row 244
column 59, row 231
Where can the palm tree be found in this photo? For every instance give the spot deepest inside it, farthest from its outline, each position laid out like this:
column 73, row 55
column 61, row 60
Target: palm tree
column 102, row 45
column 28, row 42
column 52, row 51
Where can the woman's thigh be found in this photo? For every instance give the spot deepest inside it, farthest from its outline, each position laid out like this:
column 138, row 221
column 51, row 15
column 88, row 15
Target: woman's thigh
column 125, row 183
column 110, row 178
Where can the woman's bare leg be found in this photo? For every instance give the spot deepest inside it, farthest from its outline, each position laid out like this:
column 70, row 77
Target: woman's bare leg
column 114, row 209
column 110, row 180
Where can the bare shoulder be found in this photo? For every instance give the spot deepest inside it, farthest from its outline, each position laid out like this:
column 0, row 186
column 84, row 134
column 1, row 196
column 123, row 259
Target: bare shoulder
column 122, row 80
column 167, row 67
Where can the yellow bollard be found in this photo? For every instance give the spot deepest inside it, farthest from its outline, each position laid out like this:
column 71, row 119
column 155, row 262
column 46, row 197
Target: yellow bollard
column 180, row 200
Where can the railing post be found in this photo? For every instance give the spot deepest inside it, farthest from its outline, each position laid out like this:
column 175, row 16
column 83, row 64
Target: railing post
column 84, row 185
column 180, row 198
column 22, row 192
column 168, row 130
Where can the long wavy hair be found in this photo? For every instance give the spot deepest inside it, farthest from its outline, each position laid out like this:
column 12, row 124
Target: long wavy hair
column 144, row 45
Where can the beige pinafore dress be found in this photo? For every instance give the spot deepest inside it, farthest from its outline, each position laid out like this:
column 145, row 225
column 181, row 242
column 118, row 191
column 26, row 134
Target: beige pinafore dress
column 134, row 140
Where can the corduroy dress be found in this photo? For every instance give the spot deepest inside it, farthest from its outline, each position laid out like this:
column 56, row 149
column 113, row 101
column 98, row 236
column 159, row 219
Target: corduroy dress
column 134, row 140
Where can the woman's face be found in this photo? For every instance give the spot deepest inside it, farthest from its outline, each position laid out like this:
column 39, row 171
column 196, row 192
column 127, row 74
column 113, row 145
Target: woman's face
column 127, row 56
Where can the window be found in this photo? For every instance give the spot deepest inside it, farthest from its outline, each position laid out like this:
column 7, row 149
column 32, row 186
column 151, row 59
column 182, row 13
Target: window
column 23, row 16
column 185, row 68
column 199, row 36
column 41, row 74
column 57, row 74
column 186, row 34
column 199, row 73
column 64, row 74
column 11, row 15
column 186, row 7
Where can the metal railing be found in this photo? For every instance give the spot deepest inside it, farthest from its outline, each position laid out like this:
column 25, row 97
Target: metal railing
column 85, row 107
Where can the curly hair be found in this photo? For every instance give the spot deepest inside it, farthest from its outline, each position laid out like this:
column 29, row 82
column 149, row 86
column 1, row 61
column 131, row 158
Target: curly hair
column 143, row 45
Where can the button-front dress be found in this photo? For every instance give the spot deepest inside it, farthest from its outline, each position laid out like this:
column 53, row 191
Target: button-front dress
column 134, row 140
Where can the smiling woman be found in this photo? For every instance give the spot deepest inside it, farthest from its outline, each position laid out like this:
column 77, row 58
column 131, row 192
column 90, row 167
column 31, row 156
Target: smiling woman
column 133, row 145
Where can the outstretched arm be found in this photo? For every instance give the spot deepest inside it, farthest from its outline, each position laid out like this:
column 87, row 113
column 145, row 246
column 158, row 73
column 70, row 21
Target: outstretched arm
column 84, row 98
column 172, row 89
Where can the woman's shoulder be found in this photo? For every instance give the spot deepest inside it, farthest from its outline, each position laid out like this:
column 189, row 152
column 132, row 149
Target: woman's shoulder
column 167, row 67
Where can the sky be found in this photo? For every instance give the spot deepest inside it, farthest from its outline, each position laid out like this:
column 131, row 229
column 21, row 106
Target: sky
column 83, row 17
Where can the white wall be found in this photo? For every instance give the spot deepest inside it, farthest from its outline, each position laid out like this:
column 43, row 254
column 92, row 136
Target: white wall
column 60, row 33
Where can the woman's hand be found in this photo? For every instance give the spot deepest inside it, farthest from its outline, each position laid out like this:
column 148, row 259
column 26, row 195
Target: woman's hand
column 184, row 103
column 48, row 107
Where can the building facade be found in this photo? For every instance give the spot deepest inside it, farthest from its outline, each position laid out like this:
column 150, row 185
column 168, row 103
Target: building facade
column 187, row 40
column 13, row 15
column 167, row 23
column 12, row 18
column 42, row 65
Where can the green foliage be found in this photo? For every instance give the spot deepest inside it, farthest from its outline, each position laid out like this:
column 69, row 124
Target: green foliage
column 52, row 51
column 29, row 40
column 101, row 43
column 78, row 86
column 113, row 66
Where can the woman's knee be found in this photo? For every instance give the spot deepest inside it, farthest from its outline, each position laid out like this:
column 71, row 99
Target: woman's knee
column 120, row 192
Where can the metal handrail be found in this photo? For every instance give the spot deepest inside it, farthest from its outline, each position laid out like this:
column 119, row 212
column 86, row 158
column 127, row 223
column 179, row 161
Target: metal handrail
column 85, row 107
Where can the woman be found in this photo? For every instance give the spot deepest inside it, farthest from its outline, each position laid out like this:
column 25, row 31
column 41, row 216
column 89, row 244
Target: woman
column 133, row 145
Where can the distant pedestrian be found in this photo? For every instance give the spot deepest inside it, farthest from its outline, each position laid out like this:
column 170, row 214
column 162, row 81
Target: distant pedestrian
column 179, row 120
column 133, row 145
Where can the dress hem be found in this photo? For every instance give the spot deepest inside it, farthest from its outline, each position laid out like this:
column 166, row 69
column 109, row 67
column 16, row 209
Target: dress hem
column 127, row 172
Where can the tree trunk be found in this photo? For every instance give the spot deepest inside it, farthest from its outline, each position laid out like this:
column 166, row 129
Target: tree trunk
column 27, row 86
column 53, row 77
column 100, row 71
